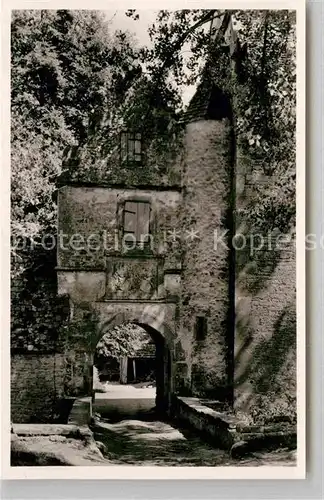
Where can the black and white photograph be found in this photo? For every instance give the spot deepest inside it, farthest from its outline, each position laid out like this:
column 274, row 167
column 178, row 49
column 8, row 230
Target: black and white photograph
column 154, row 298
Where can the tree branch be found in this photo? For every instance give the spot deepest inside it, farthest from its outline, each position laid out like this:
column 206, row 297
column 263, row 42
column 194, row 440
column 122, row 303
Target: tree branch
column 177, row 46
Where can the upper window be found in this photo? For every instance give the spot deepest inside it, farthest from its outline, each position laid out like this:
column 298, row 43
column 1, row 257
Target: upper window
column 131, row 147
column 136, row 228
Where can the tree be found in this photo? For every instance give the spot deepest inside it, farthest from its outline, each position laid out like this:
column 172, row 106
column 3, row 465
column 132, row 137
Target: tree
column 68, row 68
column 123, row 340
column 263, row 93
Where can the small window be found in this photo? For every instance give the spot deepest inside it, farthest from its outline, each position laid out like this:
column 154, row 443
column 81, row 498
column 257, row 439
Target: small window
column 131, row 147
column 136, row 228
column 201, row 328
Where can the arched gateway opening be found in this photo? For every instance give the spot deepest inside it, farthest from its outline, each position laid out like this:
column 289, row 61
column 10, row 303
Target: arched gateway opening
column 143, row 360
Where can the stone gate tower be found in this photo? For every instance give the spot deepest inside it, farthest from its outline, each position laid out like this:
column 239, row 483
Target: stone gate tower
column 148, row 240
column 174, row 281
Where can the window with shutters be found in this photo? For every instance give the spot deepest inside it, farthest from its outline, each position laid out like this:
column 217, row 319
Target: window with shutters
column 136, row 225
column 131, row 148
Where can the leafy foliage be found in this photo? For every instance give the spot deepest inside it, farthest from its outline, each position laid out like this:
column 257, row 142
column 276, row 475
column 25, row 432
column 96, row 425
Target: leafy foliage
column 262, row 88
column 266, row 121
column 123, row 340
column 68, row 68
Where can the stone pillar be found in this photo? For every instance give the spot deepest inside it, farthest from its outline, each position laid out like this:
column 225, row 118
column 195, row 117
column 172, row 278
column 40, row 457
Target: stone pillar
column 123, row 369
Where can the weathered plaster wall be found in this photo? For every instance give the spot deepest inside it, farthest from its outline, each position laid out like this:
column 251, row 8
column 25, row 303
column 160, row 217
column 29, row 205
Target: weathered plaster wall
column 205, row 268
column 114, row 274
column 82, row 286
column 90, row 224
column 113, row 280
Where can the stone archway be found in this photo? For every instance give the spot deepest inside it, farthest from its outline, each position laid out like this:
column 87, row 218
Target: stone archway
column 163, row 339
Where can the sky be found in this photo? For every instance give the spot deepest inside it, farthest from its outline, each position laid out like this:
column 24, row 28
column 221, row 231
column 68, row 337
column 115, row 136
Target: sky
column 139, row 28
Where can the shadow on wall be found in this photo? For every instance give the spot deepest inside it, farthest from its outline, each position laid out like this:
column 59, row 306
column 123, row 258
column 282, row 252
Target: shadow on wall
column 270, row 354
column 269, row 369
column 255, row 267
column 265, row 321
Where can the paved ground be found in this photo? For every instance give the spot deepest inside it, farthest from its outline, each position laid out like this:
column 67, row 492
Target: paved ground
column 124, row 401
column 132, row 435
column 126, row 391
column 138, row 442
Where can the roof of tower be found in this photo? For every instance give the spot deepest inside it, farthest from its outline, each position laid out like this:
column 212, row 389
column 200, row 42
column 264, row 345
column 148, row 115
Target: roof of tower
column 209, row 102
column 198, row 106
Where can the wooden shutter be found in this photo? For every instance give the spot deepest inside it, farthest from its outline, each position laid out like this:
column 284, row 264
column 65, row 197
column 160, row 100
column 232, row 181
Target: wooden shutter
column 137, row 219
column 131, row 147
column 130, row 221
column 138, row 147
column 123, row 146
column 143, row 220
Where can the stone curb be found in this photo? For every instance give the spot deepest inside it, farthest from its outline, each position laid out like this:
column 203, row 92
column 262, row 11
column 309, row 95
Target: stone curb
column 226, row 432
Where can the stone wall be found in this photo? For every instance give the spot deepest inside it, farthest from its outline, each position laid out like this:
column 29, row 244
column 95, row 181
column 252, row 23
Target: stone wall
column 38, row 318
column 265, row 337
column 37, row 313
column 265, row 341
column 37, row 386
